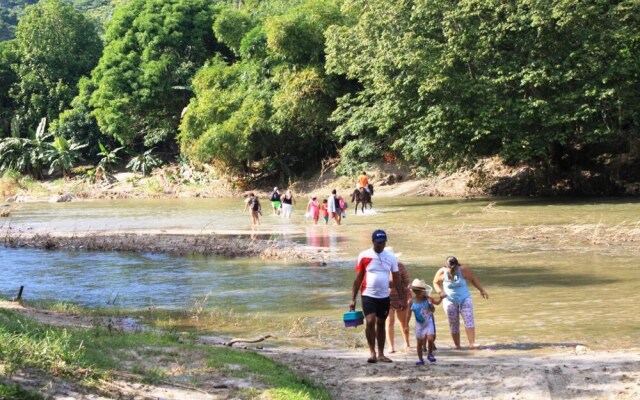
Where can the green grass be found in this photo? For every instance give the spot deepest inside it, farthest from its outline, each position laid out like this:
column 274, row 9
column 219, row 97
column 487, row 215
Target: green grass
column 16, row 392
column 90, row 355
column 283, row 383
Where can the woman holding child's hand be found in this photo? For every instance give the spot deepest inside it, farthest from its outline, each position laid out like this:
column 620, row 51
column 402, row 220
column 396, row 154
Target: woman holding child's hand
column 451, row 284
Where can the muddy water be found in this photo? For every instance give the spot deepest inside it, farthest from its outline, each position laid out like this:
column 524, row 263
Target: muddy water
column 557, row 272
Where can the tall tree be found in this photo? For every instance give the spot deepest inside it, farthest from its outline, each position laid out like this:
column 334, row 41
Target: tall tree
column 445, row 82
column 266, row 110
column 8, row 78
column 153, row 48
column 56, row 45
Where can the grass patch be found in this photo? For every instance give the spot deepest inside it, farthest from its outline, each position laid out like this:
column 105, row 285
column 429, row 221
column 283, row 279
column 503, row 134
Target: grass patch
column 283, row 383
column 16, row 392
column 89, row 356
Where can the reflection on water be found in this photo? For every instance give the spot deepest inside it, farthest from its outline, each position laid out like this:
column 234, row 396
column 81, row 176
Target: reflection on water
column 557, row 272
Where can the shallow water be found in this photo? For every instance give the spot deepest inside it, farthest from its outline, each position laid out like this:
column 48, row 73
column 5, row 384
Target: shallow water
column 558, row 272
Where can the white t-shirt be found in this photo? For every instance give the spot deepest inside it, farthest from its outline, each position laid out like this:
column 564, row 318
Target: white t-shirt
column 377, row 268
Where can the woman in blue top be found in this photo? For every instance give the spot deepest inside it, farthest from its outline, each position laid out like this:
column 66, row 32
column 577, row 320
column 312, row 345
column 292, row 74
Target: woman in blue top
column 451, row 283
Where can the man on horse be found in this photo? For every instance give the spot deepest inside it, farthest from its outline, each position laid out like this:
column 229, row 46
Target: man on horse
column 363, row 182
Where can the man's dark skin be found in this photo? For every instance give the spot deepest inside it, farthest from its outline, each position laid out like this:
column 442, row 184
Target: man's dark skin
column 375, row 327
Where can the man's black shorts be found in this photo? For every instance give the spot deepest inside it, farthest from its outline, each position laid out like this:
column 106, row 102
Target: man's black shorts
column 372, row 305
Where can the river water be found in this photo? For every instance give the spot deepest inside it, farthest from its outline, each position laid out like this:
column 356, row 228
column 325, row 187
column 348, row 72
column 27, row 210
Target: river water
column 558, row 272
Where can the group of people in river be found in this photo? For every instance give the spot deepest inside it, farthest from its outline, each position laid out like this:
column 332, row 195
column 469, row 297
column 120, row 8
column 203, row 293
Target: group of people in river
column 386, row 295
column 331, row 208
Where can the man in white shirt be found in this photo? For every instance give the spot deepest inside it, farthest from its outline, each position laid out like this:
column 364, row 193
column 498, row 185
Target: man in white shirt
column 372, row 280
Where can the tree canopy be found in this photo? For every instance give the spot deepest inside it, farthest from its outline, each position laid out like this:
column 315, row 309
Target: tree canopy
column 446, row 82
column 152, row 50
column 270, row 88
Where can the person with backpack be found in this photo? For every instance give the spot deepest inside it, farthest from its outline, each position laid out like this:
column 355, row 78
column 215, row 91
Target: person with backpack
column 333, row 203
column 274, row 197
column 253, row 204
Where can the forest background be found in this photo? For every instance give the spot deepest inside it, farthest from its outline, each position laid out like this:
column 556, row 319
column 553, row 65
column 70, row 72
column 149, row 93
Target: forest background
column 265, row 91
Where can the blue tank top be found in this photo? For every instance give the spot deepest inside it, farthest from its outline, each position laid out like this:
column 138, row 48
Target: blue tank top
column 456, row 290
column 422, row 311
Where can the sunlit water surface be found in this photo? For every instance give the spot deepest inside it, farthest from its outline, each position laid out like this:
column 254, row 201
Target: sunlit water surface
column 551, row 290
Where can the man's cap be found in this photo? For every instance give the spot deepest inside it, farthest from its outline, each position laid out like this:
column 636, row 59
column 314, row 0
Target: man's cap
column 379, row 236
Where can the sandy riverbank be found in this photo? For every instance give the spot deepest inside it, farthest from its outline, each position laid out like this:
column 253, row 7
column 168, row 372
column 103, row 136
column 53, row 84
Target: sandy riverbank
column 499, row 371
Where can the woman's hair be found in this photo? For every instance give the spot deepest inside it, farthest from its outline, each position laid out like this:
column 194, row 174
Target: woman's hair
column 451, row 262
column 324, row 201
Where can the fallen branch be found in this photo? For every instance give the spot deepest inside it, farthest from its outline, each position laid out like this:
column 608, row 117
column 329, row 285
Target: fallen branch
column 240, row 340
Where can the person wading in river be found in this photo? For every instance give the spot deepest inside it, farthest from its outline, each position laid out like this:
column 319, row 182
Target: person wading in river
column 254, row 205
column 453, row 278
column 372, row 280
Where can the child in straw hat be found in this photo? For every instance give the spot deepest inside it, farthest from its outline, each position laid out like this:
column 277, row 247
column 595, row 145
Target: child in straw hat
column 422, row 308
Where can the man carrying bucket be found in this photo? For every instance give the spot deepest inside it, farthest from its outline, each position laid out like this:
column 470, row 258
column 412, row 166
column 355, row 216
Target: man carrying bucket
column 372, row 280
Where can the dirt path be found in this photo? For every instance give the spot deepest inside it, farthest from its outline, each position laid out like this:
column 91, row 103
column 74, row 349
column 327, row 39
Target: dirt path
column 483, row 374
column 509, row 371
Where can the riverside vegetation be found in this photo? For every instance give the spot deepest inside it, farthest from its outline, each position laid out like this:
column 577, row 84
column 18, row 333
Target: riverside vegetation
column 266, row 90
column 107, row 361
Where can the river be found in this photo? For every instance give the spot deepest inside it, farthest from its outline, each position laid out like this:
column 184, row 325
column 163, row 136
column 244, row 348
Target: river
column 558, row 271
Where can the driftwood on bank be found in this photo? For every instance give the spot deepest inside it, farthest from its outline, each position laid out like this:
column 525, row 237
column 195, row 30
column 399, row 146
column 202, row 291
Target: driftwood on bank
column 254, row 340
column 179, row 244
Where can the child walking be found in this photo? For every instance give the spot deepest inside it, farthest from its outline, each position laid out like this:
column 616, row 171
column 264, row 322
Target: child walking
column 422, row 308
column 325, row 211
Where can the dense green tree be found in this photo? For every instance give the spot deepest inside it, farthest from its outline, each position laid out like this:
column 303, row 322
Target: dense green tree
column 8, row 78
column 10, row 12
column 152, row 50
column 445, row 82
column 79, row 125
column 56, row 45
column 266, row 111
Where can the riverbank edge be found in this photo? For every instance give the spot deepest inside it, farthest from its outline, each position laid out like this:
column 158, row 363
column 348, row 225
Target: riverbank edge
column 494, row 372
column 166, row 243
column 488, row 177
column 176, row 366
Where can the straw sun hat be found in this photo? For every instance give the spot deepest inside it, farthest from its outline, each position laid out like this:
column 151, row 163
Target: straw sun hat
column 419, row 284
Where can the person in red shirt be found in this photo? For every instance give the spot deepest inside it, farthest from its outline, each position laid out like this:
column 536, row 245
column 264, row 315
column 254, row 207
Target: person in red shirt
column 372, row 281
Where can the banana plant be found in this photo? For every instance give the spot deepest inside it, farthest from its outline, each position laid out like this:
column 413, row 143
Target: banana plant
column 109, row 157
column 26, row 155
column 144, row 162
column 63, row 154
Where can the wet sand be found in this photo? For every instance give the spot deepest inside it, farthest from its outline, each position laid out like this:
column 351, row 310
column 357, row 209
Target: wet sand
column 180, row 242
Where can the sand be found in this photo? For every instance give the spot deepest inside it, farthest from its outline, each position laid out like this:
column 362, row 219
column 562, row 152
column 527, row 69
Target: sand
column 498, row 371
column 554, row 373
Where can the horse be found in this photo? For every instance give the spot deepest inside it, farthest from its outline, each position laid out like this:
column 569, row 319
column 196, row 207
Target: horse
column 361, row 196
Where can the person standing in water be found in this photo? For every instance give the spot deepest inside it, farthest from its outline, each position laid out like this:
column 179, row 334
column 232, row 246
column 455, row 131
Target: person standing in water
column 333, row 204
column 372, row 281
column 274, row 197
column 451, row 284
column 253, row 204
column 397, row 303
column 313, row 209
column 287, row 204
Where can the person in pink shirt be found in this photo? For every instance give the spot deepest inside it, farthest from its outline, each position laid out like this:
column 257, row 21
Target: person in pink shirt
column 313, row 208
